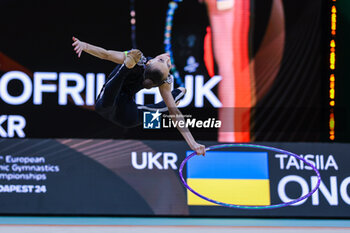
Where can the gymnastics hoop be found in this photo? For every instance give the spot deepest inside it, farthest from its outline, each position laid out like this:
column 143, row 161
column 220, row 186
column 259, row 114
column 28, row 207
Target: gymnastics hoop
column 245, row 206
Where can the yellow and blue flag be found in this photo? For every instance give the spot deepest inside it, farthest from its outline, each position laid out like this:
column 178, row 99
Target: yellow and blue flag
column 240, row 178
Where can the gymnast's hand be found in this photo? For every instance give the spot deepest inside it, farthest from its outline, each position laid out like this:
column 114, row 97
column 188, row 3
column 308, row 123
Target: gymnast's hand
column 79, row 46
column 198, row 148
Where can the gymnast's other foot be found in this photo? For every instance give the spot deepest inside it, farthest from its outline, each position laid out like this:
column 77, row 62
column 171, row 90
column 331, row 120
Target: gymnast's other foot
column 132, row 58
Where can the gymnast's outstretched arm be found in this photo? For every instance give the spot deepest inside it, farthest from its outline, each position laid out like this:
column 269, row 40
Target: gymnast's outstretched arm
column 176, row 115
column 110, row 55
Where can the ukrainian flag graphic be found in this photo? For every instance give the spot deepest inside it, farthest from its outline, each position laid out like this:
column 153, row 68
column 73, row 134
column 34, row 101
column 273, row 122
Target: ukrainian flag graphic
column 240, row 178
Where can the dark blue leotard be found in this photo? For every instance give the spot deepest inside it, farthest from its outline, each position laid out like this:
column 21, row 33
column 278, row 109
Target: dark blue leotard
column 116, row 100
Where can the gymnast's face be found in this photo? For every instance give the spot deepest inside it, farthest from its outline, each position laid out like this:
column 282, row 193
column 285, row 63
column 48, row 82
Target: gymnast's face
column 161, row 62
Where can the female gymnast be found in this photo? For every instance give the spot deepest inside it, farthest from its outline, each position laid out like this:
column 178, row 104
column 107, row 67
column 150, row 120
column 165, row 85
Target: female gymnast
column 135, row 72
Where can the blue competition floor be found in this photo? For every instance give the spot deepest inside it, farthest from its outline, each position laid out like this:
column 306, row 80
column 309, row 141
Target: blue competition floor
column 125, row 221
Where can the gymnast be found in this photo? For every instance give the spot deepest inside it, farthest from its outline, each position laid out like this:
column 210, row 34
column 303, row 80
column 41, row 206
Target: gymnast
column 133, row 73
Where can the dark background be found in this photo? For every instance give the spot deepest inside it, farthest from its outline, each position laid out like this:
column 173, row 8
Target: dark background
column 342, row 82
column 37, row 34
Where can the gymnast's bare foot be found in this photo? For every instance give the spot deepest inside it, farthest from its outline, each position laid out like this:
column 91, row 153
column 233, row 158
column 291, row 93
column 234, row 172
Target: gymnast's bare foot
column 132, row 58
